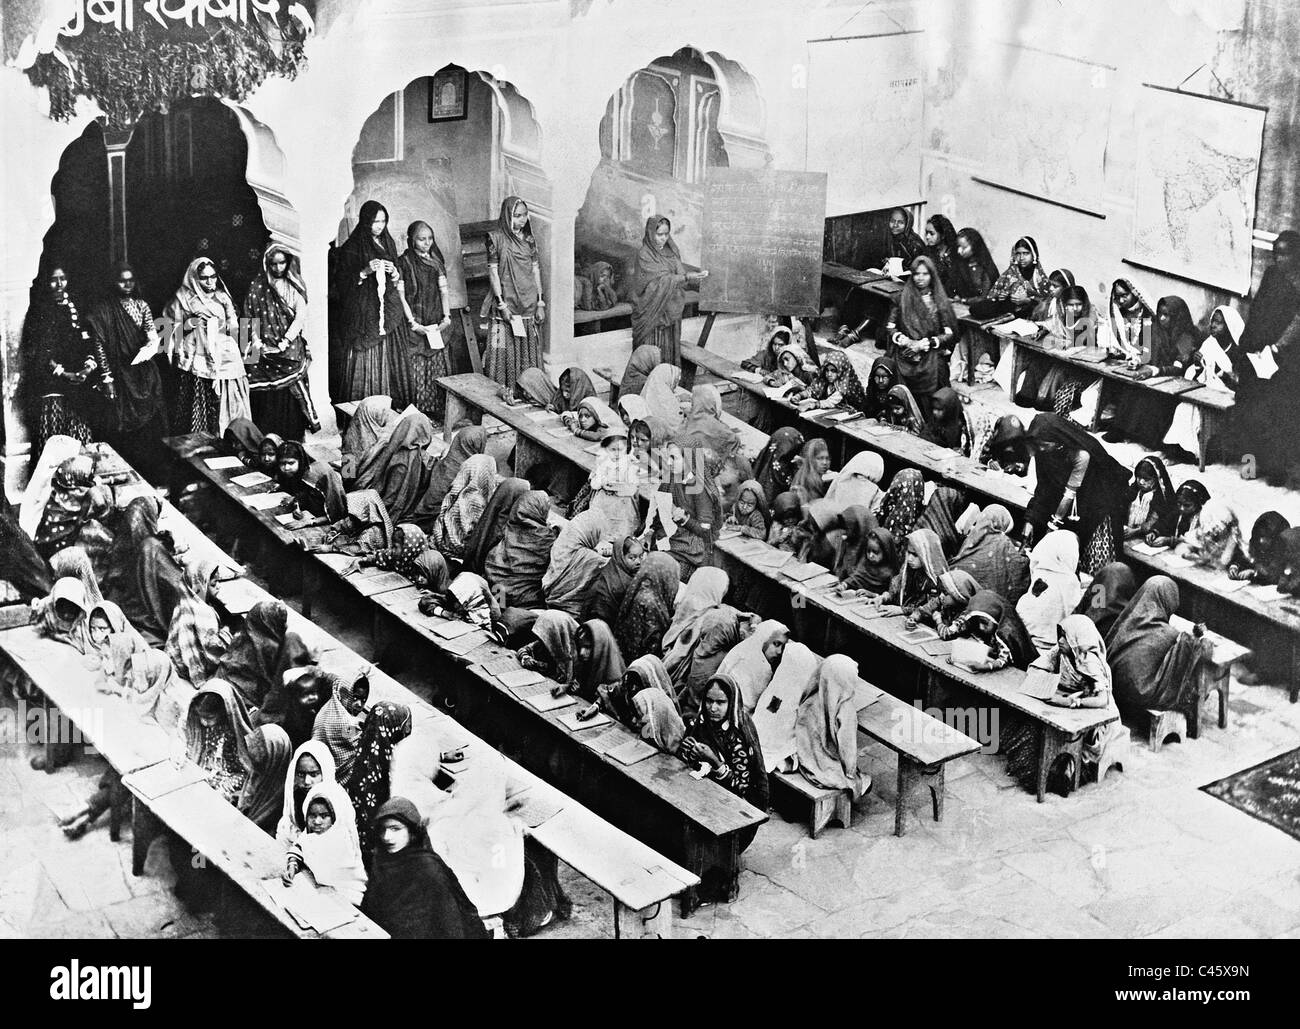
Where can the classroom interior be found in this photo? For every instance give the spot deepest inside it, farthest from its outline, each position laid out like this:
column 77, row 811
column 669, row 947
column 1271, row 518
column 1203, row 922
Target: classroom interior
column 1020, row 119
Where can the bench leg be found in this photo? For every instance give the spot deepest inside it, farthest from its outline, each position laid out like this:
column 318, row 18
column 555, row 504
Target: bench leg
column 910, row 773
column 310, row 585
column 456, row 411
column 1165, row 724
column 1051, row 745
column 652, row 923
column 1223, row 685
column 144, row 827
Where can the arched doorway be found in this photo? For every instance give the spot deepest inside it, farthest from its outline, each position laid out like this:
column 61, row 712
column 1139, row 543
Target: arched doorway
column 447, row 149
column 666, row 127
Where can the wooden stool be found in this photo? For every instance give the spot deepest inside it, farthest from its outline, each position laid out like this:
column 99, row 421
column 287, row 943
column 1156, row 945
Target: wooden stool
column 827, row 805
column 1165, row 724
column 1113, row 754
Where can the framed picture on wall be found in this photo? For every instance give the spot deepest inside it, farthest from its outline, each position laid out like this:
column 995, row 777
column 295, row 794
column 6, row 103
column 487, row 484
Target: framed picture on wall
column 449, row 94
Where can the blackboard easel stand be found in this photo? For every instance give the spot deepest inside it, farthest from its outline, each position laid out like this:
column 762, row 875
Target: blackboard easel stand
column 688, row 367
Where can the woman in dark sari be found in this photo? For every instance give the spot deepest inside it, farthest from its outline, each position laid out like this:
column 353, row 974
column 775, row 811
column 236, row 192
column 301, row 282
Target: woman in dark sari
column 647, row 609
column 659, row 287
column 398, row 470
column 611, row 585
column 1079, row 483
column 947, row 425
column 376, row 336
column 940, row 517
column 121, row 326
column 60, row 366
column 277, row 384
column 424, row 292
column 516, row 565
column 465, row 444
column 941, row 246
column 884, row 377
column 490, row 527
column 314, row 485
column 1020, row 287
column 645, row 359
column 992, row 620
column 974, row 271
column 1153, row 663
column 144, row 578
column 922, row 330
column 516, row 305
column 776, row 465
column 901, row 240
column 1142, row 414
column 1108, row 595
column 992, row 558
column 261, row 652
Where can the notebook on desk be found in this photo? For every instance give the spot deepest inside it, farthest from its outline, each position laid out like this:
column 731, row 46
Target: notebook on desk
column 1093, row 355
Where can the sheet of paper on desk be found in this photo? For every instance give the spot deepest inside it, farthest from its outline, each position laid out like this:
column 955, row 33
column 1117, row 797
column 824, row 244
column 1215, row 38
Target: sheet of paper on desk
column 250, row 479
column 504, row 663
column 218, row 464
column 520, row 677
column 309, row 907
column 164, row 778
column 747, row 546
column 772, row 558
column 384, row 582
column 536, row 810
column 800, row 572
column 631, row 752
column 608, row 738
column 559, row 432
column 937, row 648
column 451, row 630
column 1146, row 548
column 266, row 501
column 570, row 720
column 238, row 596
column 1265, row 593
column 1021, row 327
column 921, row 634
column 464, row 644
column 843, row 416
column 777, row 392
column 1040, row 683
column 1173, row 560
column 877, row 430
column 939, row 454
column 545, row 702
column 747, row 376
column 864, row 695
column 832, row 596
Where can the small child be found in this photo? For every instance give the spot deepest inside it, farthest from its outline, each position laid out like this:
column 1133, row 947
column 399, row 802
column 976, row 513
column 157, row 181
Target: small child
column 329, row 847
column 613, row 487
column 592, row 420
column 917, row 582
column 786, row 532
column 749, row 513
column 955, row 589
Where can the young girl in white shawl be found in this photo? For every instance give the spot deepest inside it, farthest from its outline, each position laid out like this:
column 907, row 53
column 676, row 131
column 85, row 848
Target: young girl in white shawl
column 1212, row 366
column 329, row 847
column 1054, row 587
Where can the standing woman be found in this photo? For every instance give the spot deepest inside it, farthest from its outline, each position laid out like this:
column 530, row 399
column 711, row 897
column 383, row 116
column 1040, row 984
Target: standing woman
column 213, row 385
column 518, row 307
column 122, row 328
column 424, row 292
column 374, row 324
column 278, row 300
column 659, row 291
column 60, row 361
column 922, row 329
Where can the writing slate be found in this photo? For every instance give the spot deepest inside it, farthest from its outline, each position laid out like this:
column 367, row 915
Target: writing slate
column 763, row 241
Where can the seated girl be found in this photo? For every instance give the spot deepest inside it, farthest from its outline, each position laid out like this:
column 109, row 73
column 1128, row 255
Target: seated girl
column 902, row 502
column 813, row 476
column 243, row 439
column 643, row 700
column 903, row 412
column 1205, row 529
column 749, row 515
column 579, row 553
column 1049, row 312
column 1054, row 587
column 750, row 664
column 315, row 487
column 787, row 531
column 884, row 377
column 468, row 599
column 998, row 638
column 1151, row 508
column 793, row 368
column 75, row 512
column 597, row 662
column 947, row 425
column 917, row 581
column 867, row 559
column 1214, row 365
column 1264, row 560
column 1020, row 287
column 329, row 848
column 612, row 488
column 1153, row 665
column 955, row 590
column 722, row 741
column 62, row 615
column 551, row 649
column 1009, row 448
column 312, row 763
column 826, row 731
column 268, row 457
column 648, row 605
column 835, row 385
column 591, row 420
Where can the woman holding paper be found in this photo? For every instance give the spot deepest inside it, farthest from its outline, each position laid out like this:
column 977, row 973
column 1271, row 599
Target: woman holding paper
column 375, row 329
column 201, row 345
column 278, row 302
column 516, row 303
column 423, row 289
column 659, row 291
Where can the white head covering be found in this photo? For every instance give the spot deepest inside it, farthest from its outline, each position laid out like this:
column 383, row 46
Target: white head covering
column 287, row 830
column 1053, row 561
column 334, row 856
column 795, row 679
column 746, row 664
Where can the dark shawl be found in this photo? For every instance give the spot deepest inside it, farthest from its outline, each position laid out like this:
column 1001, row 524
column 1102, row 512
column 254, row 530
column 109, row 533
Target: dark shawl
column 465, row 444
column 1151, row 661
column 647, row 609
column 138, row 388
column 875, row 400
column 735, row 734
column 949, row 429
column 491, row 526
column 974, row 276
column 851, row 565
column 253, row 657
column 610, row 587
column 1108, row 595
column 144, row 578
column 413, row 894
column 578, row 385
column 360, row 297
column 1105, row 484
column 907, row 244
column 243, row 439
column 1267, row 553
column 1163, row 506
column 1011, row 630
column 940, row 516
column 396, row 469
column 774, row 468
column 519, row 561
column 643, row 361
column 992, row 558
column 605, row 666
column 20, row 565
column 658, row 283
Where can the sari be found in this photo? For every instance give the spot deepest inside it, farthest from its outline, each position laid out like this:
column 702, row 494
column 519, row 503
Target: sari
column 371, row 425
column 643, row 361
column 555, row 633
column 575, row 564
column 1153, row 511
column 464, row 504
column 334, row 857
column 278, row 395
column 221, row 750
column 826, row 731
column 912, row 419
column 611, row 585
column 704, row 425
column 203, row 349
column 605, row 665
column 1054, row 589
column 875, row 401
column 807, row 482
column 659, row 396
column 735, row 741
column 424, row 282
column 776, row 465
column 858, row 483
column 251, row 663
column 339, row 730
column 658, row 293
column 906, row 245
column 948, row 429
column 575, row 387
column 518, row 564
column 777, row 713
column 75, row 512
column 940, row 516
column 655, row 713
column 293, row 802
column 647, row 609
column 988, row 615
column 74, row 563
column 534, row 387
column 397, row 468
column 911, row 588
column 851, row 567
column 387, row 724
column 514, row 255
column 922, row 316
column 195, row 640
column 243, row 439
column 991, row 557
column 748, row 667
column 1214, row 537
column 1019, row 290
column 902, row 503
column 491, row 525
column 144, row 578
column 52, row 625
column 1107, row 595
column 1151, row 662
column 705, row 589
column 467, row 442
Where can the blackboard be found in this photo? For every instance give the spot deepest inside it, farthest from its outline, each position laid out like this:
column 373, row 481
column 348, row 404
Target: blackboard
column 763, row 236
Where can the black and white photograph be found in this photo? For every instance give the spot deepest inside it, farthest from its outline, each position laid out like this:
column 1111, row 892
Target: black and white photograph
column 653, row 469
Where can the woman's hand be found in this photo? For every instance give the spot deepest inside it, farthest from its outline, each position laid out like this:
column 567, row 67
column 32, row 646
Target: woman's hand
column 376, row 266
column 679, row 515
column 706, row 754
column 291, row 868
column 540, row 316
column 445, row 324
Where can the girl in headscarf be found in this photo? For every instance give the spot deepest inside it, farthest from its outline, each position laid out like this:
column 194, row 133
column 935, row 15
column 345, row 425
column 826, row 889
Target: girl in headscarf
column 403, row 556
column 74, row 562
column 975, row 271
column 216, row 728
column 991, row 557
column 777, row 712
column 1214, row 537
column 62, row 615
column 1142, row 414
column 371, row 425
column 464, row 505
column 632, row 409
column 312, row 764
column 955, row 590
column 809, row 482
column 376, row 333
column 243, row 439
column 659, row 285
column 903, row 411
column 704, row 425
column 1151, row 507
column 316, row 488
column 777, row 464
column 277, row 299
column 826, row 731
column 901, row 241
column 1107, row 595
column 397, row 469
column 643, row 701
column 858, row 482
column 917, row 581
column 387, row 724
column 60, row 365
column 901, row 505
column 575, row 389
column 1077, row 479
column 576, row 561
column 647, row 609
column 302, row 689
column 941, row 248
column 751, row 663
column 412, row 893
column 660, row 397
column 991, row 621
column 423, row 289
column 518, row 564
column 947, row 425
column 468, row 598
column 645, row 358
column 834, row 385
column 884, row 377
column 749, row 515
column 867, row 558
column 592, row 420
column 922, row 330
column 723, row 737
column 144, row 577
column 1153, row 664
column 1054, row 587
column 196, row 640
column 338, row 724
column 1020, row 287
column 705, row 589
column 262, row 649
column 607, row 591
column 1263, row 563
column 1188, row 501
column 213, row 385
column 1050, row 310
column 1008, row 448
column 553, row 646
column 75, row 512
column 465, row 444
column 598, row 663
column 696, row 505
column 330, row 848
column 941, row 516
column 1215, row 365
column 516, row 300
